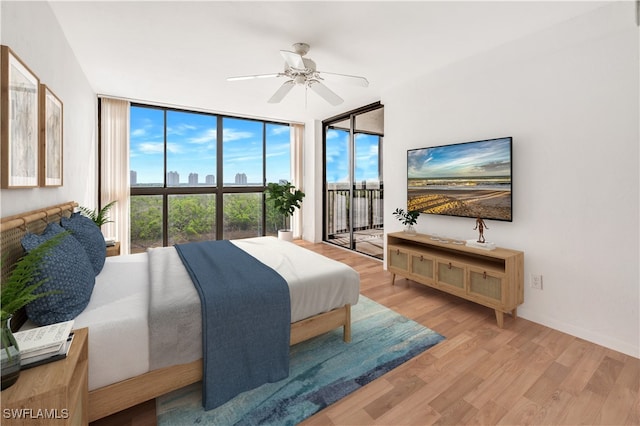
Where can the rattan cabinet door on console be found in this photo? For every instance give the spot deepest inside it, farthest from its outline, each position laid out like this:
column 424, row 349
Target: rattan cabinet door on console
column 52, row 394
column 493, row 278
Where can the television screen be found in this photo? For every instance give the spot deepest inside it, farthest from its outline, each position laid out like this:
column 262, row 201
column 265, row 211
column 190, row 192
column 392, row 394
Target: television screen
column 471, row 179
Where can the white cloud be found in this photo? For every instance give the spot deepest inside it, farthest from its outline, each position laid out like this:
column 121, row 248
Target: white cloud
column 332, row 134
column 138, row 133
column 180, row 129
column 151, row 148
column 207, row 136
column 229, row 135
column 279, row 130
column 157, row 148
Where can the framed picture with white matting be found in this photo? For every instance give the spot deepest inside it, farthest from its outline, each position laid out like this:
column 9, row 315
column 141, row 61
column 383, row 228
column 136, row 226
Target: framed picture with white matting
column 50, row 138
column 19, row 119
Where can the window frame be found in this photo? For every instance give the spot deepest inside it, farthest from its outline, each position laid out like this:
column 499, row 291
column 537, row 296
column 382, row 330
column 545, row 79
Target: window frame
column 219, row 189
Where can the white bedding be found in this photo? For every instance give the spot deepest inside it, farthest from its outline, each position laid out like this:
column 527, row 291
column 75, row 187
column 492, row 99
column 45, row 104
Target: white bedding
column 117, row 315
column 118, row 320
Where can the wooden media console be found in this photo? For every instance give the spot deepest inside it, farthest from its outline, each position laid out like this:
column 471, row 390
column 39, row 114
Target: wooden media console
column 493, row 278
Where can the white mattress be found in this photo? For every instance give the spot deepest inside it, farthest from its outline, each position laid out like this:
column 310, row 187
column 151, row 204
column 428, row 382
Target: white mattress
column 117, row 315
column 316, row 283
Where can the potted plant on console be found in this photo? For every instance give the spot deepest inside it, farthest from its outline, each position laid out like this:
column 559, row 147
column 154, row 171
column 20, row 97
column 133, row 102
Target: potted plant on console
column 285, row 199
column 408, row 219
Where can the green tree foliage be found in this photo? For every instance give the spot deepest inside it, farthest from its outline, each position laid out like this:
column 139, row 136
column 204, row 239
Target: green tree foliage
column 146, row 219
column 192, row 218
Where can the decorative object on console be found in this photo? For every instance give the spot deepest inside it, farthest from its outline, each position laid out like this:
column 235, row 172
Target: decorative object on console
column 480, row 225
column 286, row 199
column 483, row 246
column 19, row 115
column 51, row 139
column 408, row 219
column 67, row 273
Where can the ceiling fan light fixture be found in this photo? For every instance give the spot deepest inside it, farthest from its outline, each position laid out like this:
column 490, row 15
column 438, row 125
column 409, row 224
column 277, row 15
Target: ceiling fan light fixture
column 302, row 72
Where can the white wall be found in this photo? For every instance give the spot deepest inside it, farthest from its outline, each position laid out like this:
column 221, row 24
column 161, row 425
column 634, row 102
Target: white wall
column 31, row 30
column 569, row 97
column 312, row 169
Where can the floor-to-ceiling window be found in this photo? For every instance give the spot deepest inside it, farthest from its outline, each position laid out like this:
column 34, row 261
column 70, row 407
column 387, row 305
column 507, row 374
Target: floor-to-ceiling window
column 353, row 184
column 197, row 176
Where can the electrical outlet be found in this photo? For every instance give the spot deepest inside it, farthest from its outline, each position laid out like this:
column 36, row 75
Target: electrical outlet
column 536, row 281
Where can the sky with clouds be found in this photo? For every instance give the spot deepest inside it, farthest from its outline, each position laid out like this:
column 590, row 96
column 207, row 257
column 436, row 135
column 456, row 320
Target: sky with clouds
column 191, row 148
column 337, row 157
column 473, row 159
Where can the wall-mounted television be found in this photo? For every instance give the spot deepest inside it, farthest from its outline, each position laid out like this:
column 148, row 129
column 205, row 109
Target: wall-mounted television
column 471, row 179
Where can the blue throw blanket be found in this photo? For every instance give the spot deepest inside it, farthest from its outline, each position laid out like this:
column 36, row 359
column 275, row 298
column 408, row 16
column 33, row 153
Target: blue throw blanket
column 246, row 319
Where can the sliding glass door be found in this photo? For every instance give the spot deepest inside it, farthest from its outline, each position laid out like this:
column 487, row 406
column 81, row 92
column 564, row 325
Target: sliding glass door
column 353, row 184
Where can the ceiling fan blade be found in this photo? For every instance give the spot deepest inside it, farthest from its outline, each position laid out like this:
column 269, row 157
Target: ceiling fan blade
column 345, row 78
column 293, row 59
column 249, row 77
column 281, row 92
column 325, row 93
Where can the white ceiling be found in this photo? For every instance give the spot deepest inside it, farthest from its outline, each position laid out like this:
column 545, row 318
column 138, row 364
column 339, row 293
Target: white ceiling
column 180, row 53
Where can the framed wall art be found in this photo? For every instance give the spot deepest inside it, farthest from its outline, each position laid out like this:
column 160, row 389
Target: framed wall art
column 19, row 130
column 50, row 138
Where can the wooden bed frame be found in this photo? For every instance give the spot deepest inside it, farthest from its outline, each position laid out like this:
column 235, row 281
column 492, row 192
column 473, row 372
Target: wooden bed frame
column 116, row 397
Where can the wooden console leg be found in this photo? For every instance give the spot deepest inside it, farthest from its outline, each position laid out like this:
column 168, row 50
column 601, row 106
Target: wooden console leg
column 514, row 313
column 500, row 318
column 393, row 279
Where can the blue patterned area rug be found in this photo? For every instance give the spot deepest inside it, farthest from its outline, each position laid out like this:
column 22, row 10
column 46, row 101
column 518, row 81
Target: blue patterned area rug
column 322, row 371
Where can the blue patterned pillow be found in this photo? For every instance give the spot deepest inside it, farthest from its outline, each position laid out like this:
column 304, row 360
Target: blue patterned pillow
column 89, row 235
column 68, row 270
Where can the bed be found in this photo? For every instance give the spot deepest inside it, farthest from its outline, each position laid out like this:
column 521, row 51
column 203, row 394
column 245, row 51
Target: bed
column 117, row 314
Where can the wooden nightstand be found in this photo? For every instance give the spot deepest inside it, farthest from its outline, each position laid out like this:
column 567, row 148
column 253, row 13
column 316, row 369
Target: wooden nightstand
column 56, row 393
column 114, row 250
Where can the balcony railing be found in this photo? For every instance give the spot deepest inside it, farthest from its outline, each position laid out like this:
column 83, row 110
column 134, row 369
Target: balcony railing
column 367, row 210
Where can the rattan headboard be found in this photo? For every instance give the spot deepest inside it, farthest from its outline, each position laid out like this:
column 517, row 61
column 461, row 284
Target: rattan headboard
column 13, row 228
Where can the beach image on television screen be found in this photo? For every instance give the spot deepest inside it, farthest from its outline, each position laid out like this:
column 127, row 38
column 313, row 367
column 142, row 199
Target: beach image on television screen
column 471, row 179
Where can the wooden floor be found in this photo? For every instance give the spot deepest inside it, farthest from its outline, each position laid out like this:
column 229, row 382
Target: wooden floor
column 523, row 374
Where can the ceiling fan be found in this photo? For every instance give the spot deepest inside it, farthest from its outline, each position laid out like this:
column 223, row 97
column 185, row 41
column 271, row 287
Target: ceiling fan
column 302, row 71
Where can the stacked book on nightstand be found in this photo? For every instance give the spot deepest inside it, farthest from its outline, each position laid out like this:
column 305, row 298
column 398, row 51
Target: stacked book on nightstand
column 41, row 345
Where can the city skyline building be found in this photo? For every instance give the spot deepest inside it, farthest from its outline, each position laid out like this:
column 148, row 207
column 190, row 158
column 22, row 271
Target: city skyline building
column 241, row 179
column 173, row 178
